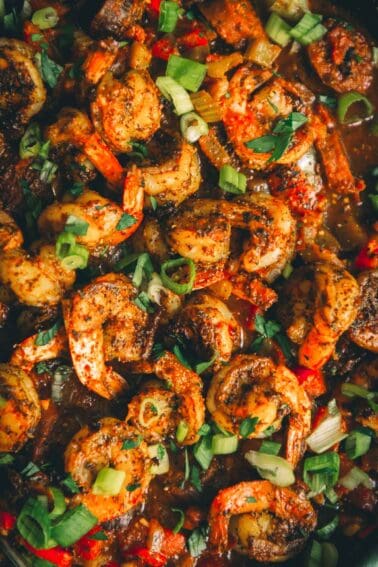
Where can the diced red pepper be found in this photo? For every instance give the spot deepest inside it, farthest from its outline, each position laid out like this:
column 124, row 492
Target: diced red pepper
column 30, row 29
column 7, row 522
column 172, row 544
column 155, row 5
column 162, row 49
column 149, row 558
column 311, row 379
column 195, row 38
column 87, row 548
column 56, row 555
column 367, row 258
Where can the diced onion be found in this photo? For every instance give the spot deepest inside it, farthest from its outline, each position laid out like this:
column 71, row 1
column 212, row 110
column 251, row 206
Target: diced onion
column 273, row 468
column 108, row 482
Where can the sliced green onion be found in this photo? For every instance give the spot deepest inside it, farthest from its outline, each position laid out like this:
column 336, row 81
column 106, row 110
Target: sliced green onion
column 330, row 555
column 73, row 525
column 222, row 445
column 59, row 502
column 158, row 453
column 143, row 268
column 357, row 444
column 327, row 434
column 169, row 283
column 352, row 390
column 278, row 30
column 313, row 35
column 231, row 181
column 64, row 244
column 108, row 482
column 287, row 271
column 321, row 471
column 203, row 452
column 305, row 24
column 156, row 407
column 70, row 484
column 33, row 523
column 182, row 431
column 48, row 171
column 176, row 94
column 181, row 520
column 270, row 447
column 77, row 226
column 327, row 530
column 273, row 468
column 192, row 127
column 45, row 18
column 168, row 16
column 189, row 74
column 247, row 426
column 354, row 478
column 206, row 106
column 331, row 495
column 78, row 260
column 314, row 557
column 30, row 143
column 345, row 101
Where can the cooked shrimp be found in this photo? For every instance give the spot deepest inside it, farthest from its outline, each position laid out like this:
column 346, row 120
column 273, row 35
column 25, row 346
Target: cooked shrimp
column 247, row 116
column 10, row 235
column 157, row 411
column 74, row 127
column 90, row 451
column 126, row 109
column 36, row 280
column 342, row 58
column 253, row 386
column 20, row 410
column 269, row 523
column 101, row 214
column 27, row 353
column 338, row 175
column 99, row 60
column 206, row 322
column 364, row 329
column 233, row 21
column 103, row 323
column 22, row 93
column 118, row 18
column 366, row 376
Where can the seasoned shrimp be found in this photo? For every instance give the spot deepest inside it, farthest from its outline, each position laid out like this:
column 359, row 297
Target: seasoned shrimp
column 36, row 280
column 321, row 302
column 206, row 322
column 101, row 214
column 269, row 523
column 365, row 376
column 342, row 58
column 90, row 451
column 247, row 116
column 73, row 127
column 126, row 109
column 253, row 386
column 118, row 18
column 20, row 409
column 27, row 353
column 22, row 93
column 157, row 411
column 10, row 235
column 103, row 323
column 364, row 329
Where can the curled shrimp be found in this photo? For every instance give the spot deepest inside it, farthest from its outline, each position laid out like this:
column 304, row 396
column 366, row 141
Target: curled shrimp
column 157, row 411
column 252, row 386
column 10, row 235
column 126, row 109
column 207, row 323
column 38, row 279
column 22, row 91
column 27, row 353
column 20, row 409
column 90, row 451
column 267, row 522
column 364, row 329
column 103, row 323
column 102, row 215
column 74, row 127
column 247, row 116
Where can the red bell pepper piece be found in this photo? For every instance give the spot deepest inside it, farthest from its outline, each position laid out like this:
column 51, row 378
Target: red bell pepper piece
column 155, row 5
column 87, row 548
column 162, row 49
column 367, row 258
column 7, row 522
column 195, row 38
column 149, row 558
column 311, row 379
column 56, row 555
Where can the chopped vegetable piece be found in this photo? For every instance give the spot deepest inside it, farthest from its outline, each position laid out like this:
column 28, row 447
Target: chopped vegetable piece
column 322, row 471
column 192, row 127
column 344, row 103
column 168, row 16
column 77, row 226
column 357, row 444
column 327, row 433
column 108, row 482
column 270, row 447
column 203, row 452
column 181, row 520
column 30, row 143
column 327, row 530
column 179, row 288
column 197, row 541
column 34, row 524
column 262, row 52
column 125, row 221
column 73, row 525
column 305, row 26
column 273, row 468
column 189, row 74
column 182, row 431
column 206, row 106
column 247, row 426
column 45, row 18
column 158, row 453
column 231, row 181
column 278, row 30
column 175, row 93
column 44, row 337
column 59, row 502
column 224, row 445
column 354, row 478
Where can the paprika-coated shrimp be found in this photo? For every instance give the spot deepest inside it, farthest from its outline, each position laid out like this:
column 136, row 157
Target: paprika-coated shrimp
column 248, row 116
column 156, row 412
column 27, row 353
column 103, row 323
column 10, row 235
column 269, row 523
column 252, row 386
column 90, row 451
column 20, row 409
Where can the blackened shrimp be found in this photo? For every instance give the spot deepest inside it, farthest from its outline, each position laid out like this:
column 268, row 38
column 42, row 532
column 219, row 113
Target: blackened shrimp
column 103, row 323
column 252, row 386
column 20, row 409
column 269, row 523
column 90, row 451
column 364, row 329
column 157, row 411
